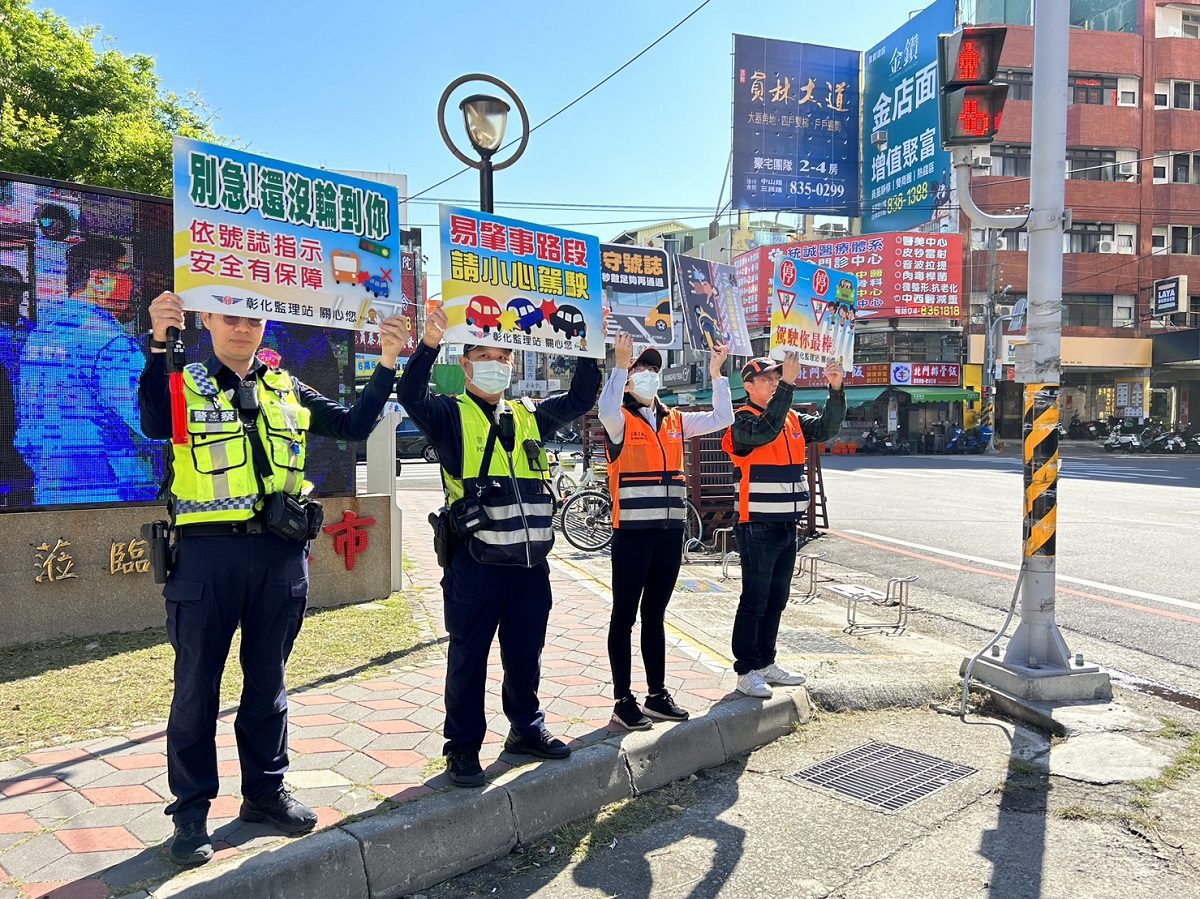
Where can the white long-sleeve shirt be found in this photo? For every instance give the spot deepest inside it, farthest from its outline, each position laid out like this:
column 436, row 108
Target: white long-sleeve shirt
column 695, row 424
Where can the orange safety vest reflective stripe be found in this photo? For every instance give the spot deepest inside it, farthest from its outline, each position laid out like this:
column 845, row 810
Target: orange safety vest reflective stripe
column 771, row 482
column 646, row 477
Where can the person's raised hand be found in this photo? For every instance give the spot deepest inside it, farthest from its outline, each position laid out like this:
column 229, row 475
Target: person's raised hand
column 835, row 375
column 719, row 354
column 791, row 368
column 435, row 327
column 393, row 338
column 166, row 311
column 623, row 350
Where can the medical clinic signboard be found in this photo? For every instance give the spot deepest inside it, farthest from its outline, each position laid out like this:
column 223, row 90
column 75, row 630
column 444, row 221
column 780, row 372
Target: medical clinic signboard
column 270, row 239
column 795, row 126
column 900, row 275
column 906, row 175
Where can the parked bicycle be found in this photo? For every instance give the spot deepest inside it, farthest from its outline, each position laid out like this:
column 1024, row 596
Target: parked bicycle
column 586, row 520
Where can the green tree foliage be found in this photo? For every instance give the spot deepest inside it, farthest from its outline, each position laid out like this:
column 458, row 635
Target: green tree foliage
column 71, row 111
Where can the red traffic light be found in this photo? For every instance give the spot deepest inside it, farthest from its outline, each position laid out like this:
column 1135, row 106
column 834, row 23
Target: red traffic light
column 969, row 56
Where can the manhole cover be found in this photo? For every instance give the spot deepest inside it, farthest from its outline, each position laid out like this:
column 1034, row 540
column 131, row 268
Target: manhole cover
column 814, row 643
column 883, row 775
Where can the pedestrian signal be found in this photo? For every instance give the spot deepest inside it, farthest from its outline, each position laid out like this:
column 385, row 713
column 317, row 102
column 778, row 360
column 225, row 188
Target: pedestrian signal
column 970, row 103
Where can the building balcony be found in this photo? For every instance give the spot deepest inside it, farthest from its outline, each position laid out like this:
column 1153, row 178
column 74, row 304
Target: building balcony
column 1091, row 125
column 1093, row 201
column 1176, row 129
column 1176, row 57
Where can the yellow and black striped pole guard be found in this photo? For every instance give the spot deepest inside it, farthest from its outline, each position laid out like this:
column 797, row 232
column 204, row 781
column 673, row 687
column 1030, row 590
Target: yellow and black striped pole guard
column 1041, row 469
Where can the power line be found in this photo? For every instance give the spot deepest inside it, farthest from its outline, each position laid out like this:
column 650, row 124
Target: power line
column 590, row 90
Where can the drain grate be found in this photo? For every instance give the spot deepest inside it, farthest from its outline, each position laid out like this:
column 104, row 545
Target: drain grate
column 882, row 775
column 814, row 643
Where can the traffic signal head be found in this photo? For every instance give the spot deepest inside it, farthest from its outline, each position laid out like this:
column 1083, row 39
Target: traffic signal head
column 971, row 105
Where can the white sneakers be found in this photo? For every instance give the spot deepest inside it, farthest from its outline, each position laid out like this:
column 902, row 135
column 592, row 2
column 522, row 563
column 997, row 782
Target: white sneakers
column 758, row 683
column 775, row 674
column 752, row 684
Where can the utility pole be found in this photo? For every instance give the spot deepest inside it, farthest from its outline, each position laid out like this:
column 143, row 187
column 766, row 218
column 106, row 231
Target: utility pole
column 989, row 341
column 1037, row 664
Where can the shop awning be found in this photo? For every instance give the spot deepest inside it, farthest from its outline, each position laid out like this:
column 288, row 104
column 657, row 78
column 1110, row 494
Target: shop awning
column 816, row 395
column 939, row 394
column 860, row 396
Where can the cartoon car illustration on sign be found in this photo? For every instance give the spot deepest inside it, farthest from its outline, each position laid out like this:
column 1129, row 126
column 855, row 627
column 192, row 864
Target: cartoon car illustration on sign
column 345, row 267
column 483, row 312
column 659, row 317
column 569, row 322
column 377, row 287
column 528, row 315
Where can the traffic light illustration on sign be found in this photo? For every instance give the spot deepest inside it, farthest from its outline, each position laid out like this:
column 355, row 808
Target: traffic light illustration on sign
column 970, row 103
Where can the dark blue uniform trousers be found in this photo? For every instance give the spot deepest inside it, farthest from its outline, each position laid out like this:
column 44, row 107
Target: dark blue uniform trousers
column 259, row 581
column 768, row 553
column 479, row 600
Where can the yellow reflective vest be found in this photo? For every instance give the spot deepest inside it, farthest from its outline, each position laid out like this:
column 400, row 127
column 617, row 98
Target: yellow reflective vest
column 213, row 477
column 513, row 491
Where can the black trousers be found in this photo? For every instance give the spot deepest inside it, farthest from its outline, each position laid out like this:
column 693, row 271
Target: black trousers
column 479, row 600
column 768, row 554
column 645, row 566
column 260, row 582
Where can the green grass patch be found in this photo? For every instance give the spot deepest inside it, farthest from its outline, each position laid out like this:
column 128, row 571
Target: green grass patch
column 576, row 842
column 433, row 767
column 82, row 688
column 1130, row 820
column 1184, row 765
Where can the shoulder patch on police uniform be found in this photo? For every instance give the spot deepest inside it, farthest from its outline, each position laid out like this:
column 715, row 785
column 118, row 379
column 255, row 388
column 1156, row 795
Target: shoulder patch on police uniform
column 205, row 385
column 277, row 379
column 528, row 404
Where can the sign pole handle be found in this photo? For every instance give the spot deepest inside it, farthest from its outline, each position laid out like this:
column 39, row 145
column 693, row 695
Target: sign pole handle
column 175, row 359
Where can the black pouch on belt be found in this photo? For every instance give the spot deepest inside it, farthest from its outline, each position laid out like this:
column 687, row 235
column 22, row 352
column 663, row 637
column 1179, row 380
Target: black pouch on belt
column 285, row 517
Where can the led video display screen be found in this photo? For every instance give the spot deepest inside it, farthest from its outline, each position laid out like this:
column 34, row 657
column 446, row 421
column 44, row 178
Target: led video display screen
column 78, row 269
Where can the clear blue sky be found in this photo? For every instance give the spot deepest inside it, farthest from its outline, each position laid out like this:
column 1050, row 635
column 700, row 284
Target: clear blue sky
column 355, row 85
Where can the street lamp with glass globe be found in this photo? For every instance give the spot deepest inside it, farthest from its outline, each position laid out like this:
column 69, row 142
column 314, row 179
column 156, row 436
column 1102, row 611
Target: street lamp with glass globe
column 485, row 118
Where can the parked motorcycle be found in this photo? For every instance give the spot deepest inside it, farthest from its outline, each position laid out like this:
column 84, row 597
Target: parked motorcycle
column 1119, row 439
column 895, row 445
column 872, row 440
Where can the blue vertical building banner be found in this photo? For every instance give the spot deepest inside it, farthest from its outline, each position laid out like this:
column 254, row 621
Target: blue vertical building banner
column 795, row 126
column 906, row 174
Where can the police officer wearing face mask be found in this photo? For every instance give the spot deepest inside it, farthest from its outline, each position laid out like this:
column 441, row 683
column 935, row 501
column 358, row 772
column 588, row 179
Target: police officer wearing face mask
column 499, row 510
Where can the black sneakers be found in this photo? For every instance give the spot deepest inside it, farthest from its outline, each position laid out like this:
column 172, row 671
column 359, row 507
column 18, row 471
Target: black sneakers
column 542, row 746
column 663, row 707
column 191, row 845
column 626, row 714
column 463, row 767
column 281, row 811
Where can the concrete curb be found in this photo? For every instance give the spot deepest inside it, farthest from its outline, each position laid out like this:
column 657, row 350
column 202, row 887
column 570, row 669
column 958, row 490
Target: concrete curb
column 872, row 697
column 326, row 864
column 431, row 840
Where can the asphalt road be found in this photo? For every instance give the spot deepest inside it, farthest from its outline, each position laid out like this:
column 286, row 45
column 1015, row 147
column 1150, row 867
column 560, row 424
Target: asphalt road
column 1128, row 546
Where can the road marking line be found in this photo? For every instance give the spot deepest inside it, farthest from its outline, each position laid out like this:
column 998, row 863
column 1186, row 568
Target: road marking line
column 1095, row 585
column 1161, row 613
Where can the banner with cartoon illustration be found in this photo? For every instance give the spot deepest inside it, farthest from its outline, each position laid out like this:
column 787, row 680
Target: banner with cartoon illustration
column 637, row 289
column 812, row 312
column 712, row 305
column 256, row 236
column 518, row 285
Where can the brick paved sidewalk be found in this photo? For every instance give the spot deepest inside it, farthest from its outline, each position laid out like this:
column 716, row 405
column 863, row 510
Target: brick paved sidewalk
column 85, row 821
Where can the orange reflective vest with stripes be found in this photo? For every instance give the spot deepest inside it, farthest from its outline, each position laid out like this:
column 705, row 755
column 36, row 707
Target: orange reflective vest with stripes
column 771, row 481
column 645, row 475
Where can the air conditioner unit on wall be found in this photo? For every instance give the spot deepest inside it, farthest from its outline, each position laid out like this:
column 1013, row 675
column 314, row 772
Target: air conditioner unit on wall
column 1107, row 246
column 981, row 162
column 1128, row 169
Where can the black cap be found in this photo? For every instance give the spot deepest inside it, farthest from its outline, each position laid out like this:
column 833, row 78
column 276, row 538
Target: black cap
column 760, row 366
column 649, row 356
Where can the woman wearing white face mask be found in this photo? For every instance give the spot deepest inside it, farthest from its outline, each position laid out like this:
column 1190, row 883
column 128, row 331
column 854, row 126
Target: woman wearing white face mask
column 645, row 471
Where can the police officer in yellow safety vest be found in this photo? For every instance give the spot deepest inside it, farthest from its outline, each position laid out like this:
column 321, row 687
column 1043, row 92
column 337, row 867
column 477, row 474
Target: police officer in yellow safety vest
column 767, row 446
column 500, row 510
column 236, row 493
column 645, row 441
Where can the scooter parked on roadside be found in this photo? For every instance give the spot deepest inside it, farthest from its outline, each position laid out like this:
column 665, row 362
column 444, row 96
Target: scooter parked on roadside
column 1119, row 439
column 872, row 440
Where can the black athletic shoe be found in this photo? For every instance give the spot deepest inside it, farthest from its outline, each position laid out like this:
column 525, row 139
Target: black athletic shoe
column 542, row 746
column 463, row 767
column 281, row 811
column 191, row 846
column 663, row 707
column 626, row 714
